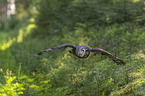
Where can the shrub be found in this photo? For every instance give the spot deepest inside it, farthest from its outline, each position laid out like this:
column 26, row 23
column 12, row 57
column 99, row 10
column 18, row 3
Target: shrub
column 9, row 86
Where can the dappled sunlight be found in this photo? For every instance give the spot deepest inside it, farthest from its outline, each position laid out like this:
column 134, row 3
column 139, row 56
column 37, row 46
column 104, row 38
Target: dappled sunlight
column 9, row 85
column 63, row 66
column 79, row 77
column 29, row 81
column 29, row 28
column 136, row 86
column 138, row 56
column 135, row 1
column 20, row 36
column 114, row 25
column 66, row 56
column 22, row 33
column 131, row 87
column 32, row 20
column 8, row 44
column 35, row 87
column 139, row 74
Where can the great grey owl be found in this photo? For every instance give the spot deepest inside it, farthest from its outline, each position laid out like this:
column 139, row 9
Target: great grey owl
column 84, row 52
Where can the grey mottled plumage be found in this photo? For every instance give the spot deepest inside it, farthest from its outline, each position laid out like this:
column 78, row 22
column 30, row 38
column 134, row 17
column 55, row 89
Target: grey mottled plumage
column 84, row 52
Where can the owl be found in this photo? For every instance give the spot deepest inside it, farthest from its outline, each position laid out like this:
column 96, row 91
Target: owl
column 85, row 51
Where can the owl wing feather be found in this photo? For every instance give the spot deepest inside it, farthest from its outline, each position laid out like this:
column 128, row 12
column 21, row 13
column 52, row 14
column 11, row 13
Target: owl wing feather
column 57, row 47
column 111, row 56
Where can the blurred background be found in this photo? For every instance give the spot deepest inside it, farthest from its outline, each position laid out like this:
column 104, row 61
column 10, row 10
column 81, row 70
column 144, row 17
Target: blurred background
column 30, row 26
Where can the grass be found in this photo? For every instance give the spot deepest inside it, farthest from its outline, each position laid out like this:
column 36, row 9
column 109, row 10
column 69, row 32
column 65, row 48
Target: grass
column 59, row 73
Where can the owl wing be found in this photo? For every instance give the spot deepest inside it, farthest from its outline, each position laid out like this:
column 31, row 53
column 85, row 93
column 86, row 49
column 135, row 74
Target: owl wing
column 104, row 52
column 57, row 47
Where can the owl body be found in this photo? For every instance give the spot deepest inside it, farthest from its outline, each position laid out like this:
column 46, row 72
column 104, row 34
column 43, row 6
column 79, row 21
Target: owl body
column 82, row 51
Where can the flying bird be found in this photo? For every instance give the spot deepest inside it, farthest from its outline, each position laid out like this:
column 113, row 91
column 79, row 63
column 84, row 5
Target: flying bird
column 85, row 51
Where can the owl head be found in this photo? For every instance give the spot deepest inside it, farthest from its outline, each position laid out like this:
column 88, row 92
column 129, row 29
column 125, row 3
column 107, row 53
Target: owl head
column 82, row 51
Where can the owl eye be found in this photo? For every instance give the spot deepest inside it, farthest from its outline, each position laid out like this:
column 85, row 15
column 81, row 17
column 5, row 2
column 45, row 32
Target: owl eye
column 82, row 50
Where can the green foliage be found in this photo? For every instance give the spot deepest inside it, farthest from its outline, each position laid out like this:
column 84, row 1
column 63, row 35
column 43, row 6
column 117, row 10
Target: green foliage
column 105, row 24
column 60, row 73
column 133, row 88
column 9, row 24
column 53, row 15
column 9, row 86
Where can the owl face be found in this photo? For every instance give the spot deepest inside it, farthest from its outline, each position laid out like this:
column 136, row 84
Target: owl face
column 82, row 51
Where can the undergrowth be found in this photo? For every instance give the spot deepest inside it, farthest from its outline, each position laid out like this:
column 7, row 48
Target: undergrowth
column 114, row 25
column 59, row 73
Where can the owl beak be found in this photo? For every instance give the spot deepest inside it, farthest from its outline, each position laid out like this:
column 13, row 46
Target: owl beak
column 85, row 53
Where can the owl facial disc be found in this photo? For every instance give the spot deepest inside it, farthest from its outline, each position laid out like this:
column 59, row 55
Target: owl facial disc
column 82, row 51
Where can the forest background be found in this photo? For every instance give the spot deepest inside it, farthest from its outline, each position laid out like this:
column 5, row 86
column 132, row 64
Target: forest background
column 30, row 26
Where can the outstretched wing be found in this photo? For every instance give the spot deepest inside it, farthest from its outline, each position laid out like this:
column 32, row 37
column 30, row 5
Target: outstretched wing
column 104, row 52
column 57, row 47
